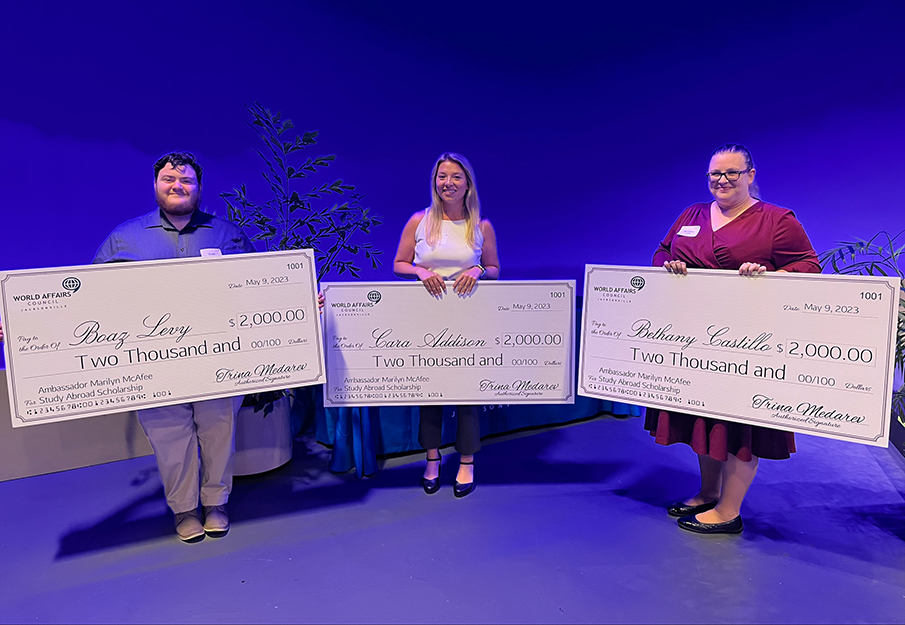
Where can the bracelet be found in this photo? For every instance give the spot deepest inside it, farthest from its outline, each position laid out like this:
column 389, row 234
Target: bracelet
column 483, row 271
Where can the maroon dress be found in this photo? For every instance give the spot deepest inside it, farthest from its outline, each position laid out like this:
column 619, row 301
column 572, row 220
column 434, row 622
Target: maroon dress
column 764, row 234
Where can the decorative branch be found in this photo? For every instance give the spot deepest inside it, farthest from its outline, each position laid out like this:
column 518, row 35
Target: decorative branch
column 878, row 255
column 290, row 220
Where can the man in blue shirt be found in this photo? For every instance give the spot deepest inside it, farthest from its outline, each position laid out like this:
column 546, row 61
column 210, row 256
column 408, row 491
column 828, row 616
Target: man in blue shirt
column 178, row 229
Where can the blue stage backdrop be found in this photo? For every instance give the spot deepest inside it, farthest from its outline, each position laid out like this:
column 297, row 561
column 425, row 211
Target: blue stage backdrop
column 589, row 124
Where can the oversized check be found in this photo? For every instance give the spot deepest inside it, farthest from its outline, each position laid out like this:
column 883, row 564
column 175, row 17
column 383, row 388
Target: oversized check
column 805, row 353
column 85, row 341
column 392, row 343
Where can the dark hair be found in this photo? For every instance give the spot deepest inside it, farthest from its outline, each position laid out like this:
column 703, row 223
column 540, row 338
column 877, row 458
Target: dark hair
column 178, row 159
column 738, row 148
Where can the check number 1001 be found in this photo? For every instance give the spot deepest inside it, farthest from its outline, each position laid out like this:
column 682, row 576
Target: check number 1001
column 267, row 318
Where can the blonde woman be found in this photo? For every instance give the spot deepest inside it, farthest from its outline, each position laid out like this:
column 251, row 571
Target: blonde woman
column 449, row 241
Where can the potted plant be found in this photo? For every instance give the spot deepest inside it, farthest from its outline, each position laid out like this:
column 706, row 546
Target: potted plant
column 291, row 218
column 879, row 256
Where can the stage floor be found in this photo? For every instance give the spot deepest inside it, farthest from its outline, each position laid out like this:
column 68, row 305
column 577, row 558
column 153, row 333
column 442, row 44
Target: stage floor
column 566, row 525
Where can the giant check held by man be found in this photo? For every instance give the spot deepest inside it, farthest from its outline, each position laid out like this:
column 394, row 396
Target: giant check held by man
column 805, row 353
column 392, row 343
column 85, row 341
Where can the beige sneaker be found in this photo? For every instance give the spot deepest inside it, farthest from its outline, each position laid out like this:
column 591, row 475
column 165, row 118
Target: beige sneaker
column 188, row 526
column 216, row 522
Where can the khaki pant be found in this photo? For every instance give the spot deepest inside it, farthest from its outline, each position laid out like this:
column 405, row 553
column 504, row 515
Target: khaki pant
column 177, row 433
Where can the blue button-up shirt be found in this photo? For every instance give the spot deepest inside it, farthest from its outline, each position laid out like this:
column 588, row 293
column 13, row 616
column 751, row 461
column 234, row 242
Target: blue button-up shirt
column 153, row 237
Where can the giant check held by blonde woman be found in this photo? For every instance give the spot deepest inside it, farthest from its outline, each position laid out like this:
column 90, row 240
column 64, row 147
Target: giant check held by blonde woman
column 392, row 343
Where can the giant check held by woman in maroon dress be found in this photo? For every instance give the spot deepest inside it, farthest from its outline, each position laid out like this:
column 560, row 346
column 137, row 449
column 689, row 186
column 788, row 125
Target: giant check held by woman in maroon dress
column 804, row 353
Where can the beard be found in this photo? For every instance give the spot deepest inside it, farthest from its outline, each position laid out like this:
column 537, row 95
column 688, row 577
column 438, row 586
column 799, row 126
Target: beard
column 180, row 209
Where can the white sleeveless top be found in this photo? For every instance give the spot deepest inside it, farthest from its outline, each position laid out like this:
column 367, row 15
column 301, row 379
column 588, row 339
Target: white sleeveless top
column 452, row 254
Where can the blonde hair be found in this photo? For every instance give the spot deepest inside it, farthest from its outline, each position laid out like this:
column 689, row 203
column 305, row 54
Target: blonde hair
column 433, row 216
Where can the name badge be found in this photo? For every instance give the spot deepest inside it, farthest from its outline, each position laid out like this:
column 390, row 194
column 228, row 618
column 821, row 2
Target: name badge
column 211, row 251
column 689, row 231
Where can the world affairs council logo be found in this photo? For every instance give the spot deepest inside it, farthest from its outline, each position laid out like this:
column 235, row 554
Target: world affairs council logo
column 637, row 282
column 356, row 308
column 72, row 284
column 43, row 301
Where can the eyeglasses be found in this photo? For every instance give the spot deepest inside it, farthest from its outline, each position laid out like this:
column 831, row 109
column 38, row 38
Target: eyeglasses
column 731, row 176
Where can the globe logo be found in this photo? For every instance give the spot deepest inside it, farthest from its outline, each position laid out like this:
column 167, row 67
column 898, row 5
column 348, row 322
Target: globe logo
column 638, row 282
column 72, row 284
column 374, row 296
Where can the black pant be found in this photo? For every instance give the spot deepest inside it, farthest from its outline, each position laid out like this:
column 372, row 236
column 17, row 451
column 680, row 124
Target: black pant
column 468, row 428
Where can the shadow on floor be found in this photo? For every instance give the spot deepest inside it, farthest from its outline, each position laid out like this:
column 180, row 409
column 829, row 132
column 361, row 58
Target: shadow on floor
column 778, row 517
column 297, row 486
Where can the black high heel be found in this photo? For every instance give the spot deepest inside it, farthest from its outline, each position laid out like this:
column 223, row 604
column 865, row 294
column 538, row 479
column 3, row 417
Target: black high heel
column 431, row 486
column 461, row 490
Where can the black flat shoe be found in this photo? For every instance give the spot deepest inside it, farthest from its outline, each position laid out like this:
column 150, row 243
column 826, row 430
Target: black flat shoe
column 735, row 526
column 431, row 486
column 461, row 490
column 680, row 509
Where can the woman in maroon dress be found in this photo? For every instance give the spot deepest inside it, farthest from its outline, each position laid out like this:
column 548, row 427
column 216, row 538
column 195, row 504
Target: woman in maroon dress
column 738, row 232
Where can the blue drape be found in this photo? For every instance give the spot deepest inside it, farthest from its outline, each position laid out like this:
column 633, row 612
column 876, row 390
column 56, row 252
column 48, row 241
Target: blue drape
column 359, row 435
